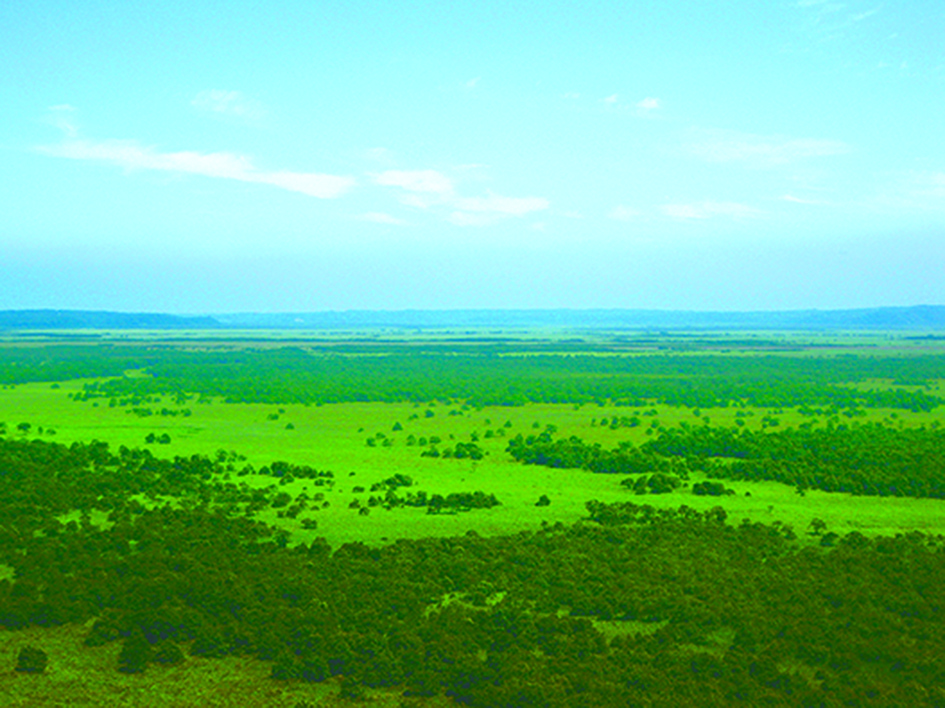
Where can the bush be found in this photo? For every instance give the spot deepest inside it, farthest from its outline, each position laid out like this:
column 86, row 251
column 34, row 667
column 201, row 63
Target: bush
column 135, row 654
column 168, row 653
column 31, row 660
column 711, row 489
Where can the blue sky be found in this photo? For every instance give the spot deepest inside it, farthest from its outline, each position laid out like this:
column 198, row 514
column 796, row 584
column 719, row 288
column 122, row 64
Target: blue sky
column 288, row 156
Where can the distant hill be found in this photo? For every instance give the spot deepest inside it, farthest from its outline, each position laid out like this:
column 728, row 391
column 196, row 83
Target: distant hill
column 93, row 319
column 919, row 317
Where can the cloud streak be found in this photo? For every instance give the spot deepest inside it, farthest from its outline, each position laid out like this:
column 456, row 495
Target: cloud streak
column 221, row 165
column 228, row 103
column 709, row 210
column 432, row 190
column 416, row 180
column 379, row 217
column 722, row 146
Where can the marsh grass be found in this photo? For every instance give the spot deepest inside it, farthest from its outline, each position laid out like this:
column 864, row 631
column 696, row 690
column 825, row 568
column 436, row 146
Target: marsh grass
column 333, row 437
column 78, row 675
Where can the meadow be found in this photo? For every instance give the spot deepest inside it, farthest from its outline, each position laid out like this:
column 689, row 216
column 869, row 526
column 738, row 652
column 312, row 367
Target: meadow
column 340, row 444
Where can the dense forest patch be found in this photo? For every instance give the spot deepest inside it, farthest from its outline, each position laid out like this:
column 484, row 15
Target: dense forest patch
column 743, row 613
column 318, row 376
column 860, row 458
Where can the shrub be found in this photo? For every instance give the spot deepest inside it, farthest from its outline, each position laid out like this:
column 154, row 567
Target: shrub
column 135, row 654
column 31, row 660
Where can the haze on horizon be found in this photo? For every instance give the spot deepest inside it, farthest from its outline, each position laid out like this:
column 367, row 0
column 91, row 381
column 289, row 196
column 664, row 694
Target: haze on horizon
column 303, row 156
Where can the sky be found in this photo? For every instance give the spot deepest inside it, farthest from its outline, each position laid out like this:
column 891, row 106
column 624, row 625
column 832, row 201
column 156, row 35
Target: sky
column 207, row 157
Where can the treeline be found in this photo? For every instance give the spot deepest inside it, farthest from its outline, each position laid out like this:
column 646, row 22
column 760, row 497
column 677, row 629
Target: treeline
column 697, row 611
column 860, row 458
column 486, row 377
column 573, row 453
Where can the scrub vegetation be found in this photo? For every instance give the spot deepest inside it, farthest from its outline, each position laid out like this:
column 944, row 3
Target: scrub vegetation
column 610, row 520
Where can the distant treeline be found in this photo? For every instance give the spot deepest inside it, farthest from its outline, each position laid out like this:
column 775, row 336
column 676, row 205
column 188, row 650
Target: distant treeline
column 922, row 316
column 637, row 606
column 293, row 375
column 860, row 458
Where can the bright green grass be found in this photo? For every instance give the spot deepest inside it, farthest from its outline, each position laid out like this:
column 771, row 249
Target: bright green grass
column 78, row 675
column 332, row 437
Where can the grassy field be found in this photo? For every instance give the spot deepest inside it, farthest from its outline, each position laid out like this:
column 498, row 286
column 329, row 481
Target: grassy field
column 333, row 437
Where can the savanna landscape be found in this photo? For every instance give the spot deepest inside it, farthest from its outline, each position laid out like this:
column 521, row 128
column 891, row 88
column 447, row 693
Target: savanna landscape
column 475, row 517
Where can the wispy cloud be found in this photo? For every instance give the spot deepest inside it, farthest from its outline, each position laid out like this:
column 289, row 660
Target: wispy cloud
column 229, row 103
column 860, row 16
column 434, row 191
column 416, row 180
column 800, row 200
column 757, row 150
column 649, row 104
column 222, row 165
column 610, row 100
column 496, row 204
column 913, row 190
column 624, row 213
column 709, row 210
column 379, row 217
column 63, row 117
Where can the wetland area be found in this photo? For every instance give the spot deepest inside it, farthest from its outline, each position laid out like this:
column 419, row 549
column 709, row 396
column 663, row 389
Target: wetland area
column 478, row 517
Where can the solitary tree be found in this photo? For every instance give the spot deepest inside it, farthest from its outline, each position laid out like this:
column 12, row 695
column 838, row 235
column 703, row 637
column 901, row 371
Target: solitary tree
column 31, row 660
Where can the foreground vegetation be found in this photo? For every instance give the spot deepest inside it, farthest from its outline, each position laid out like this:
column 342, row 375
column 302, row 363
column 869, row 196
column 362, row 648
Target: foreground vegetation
column 525, row 523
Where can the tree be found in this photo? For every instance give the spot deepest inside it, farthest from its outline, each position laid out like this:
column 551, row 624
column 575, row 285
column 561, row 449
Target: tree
column 31, row 660
column 135, row 654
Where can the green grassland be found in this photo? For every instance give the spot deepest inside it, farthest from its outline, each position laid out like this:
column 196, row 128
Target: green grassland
column 333, row 437
column 365, row 407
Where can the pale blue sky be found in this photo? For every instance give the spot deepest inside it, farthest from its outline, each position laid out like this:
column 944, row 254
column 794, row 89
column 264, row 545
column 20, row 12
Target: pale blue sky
column 285, row 156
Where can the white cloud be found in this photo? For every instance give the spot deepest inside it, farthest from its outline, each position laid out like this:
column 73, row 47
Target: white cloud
column 432, row 190
column 473, row 82
column 914, row 190
column 709, row 209
column 493, row 203
column 649, row 104
column 799, row 200
column 758, row 150
column 228, row 103
column 863, row 15
column 623, row 213
column 61, row 116
column 223, row 165
column 462, row 218
column 416, row 180
column 379, row 217
column 378, row 155
column 612, row 99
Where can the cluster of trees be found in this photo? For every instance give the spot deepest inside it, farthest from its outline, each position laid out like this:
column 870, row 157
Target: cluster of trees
column 461, row 451
column 573, row 453
column 860, row 458
column 452, row 503
column 481, row 376
column 657, row 483
column 697, row 611
column 164, row 412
